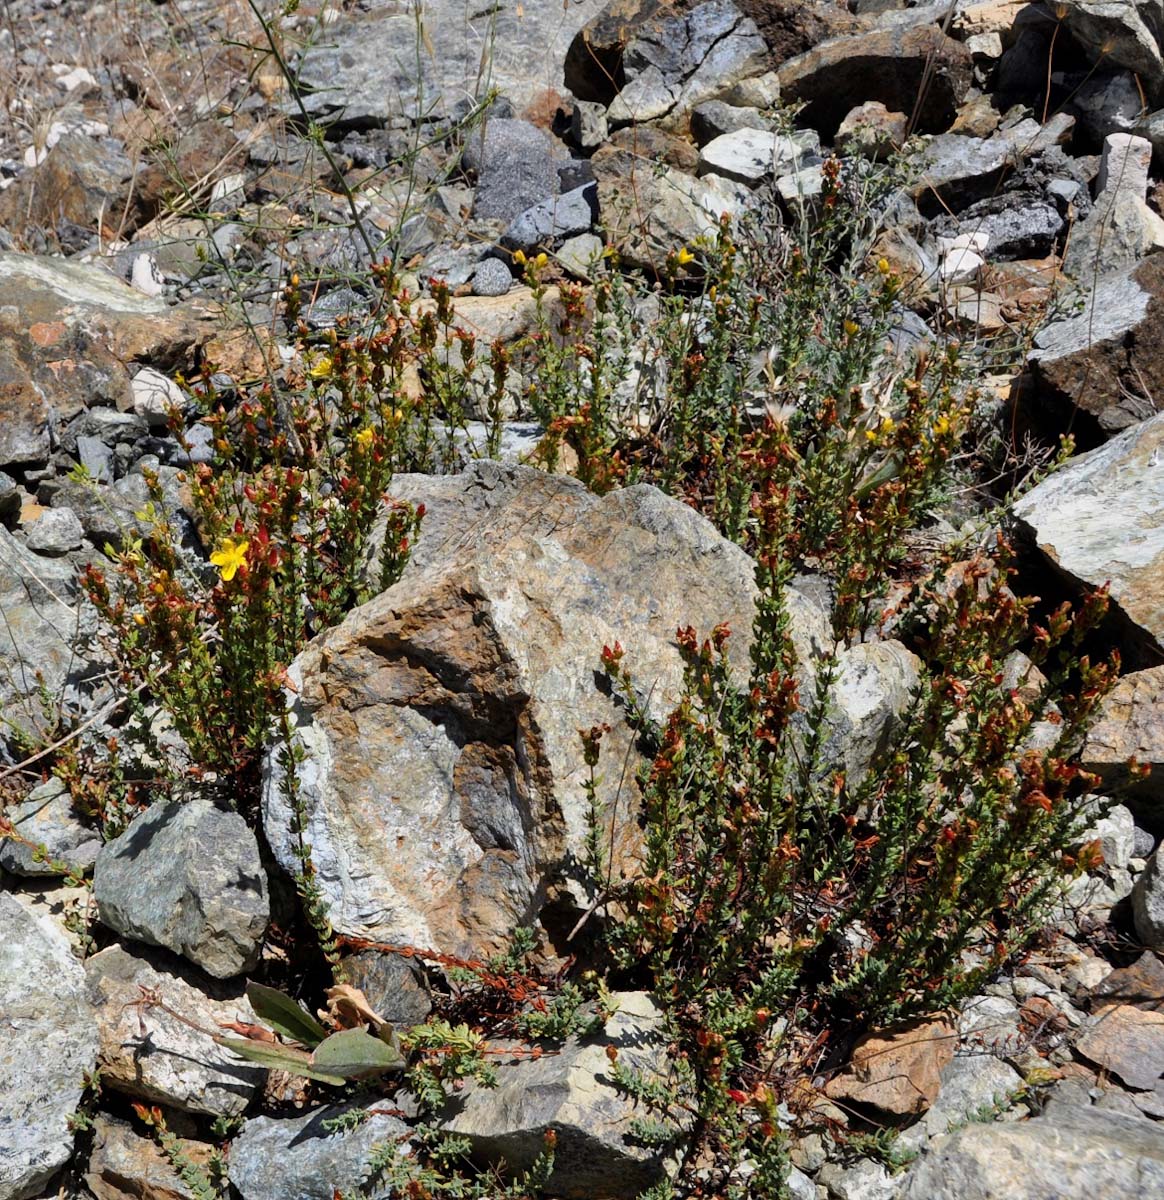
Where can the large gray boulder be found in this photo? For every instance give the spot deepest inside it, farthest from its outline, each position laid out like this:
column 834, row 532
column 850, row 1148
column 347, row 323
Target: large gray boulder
column 573, row 1093
column 49, row 1042
column 297, row 1158
column 187, row 875
column 1121, row 33
column 1077, row 1154
column 364, row 70
column 442, row 782
column 1101, row 518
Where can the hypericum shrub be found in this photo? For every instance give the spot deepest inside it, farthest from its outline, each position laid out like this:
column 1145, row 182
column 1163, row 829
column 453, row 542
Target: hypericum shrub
column 771, row 886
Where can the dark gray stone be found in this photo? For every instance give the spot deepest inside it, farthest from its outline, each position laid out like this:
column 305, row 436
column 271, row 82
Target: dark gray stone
column 588, row 124
column 186, row 875
column 49, row 1041
column 514, row 163
column 97, row 458
column 46, row 818
column 566, row 215
column 391, row 985
column 714, row 118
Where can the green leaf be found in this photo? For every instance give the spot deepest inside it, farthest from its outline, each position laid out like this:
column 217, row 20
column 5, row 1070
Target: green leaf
column 284, row 1015
column 278, row 1058
column 355, row 1052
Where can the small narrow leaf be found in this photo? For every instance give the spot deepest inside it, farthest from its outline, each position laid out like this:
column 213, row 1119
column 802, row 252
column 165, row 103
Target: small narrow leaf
column 278, row 1058
column 284, row 1015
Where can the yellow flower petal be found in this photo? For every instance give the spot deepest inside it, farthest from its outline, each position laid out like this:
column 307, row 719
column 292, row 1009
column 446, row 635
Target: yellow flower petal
column 229, row 557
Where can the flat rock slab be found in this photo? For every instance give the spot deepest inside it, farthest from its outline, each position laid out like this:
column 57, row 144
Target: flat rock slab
column 45, row 630
column 149, row 1054
column 364, row 72
column 1077, row 1154
column 1101, row 518
column 187, row 875
column 48, row 1041
column 1127, row 1041
column 296, row 1158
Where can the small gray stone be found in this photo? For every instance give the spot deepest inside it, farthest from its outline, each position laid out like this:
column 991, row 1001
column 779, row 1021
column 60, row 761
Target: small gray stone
column 864, row 1180
column 296, row 1158
column 96, row 457
column 572, row 1092
column 588, row 124
column 492, row 278
column 565, row 215
column 751, row 155
column 49, row 1041
column 154, row 395
column 714, row 118
column 391, row 987
column 580, row 254
column 55, row 532
column 187, row 875
column 46, row 818
column 1144, row 842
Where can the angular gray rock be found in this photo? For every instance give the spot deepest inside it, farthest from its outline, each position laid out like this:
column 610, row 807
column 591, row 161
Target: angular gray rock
column 54, row 533
column 873, row 686
column 49, row 1042
column 675, row 60
column 571, row 213
column 45, row 817
column 150, row 1054
column 1101, row 518
column 187, row 875
column 1077, row 1154
column 752, row 155
column 651, row 211
column 1121, row 229
column 296, row 1158
column 1108, row 360
column 441, row 720
column 573, row 1093
column 1130, row 725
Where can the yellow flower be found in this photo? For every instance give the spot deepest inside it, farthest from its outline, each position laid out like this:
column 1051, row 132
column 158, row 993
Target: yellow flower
column 321, row 368
column 229, row 557
column 391, row 416
column 883, row 266
column 888, row 425
column 684, row 257
column 941, row 426
column 519, row 257
column 541, row 261
column 365, row 438
column 871, row 435
column 851, row 327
